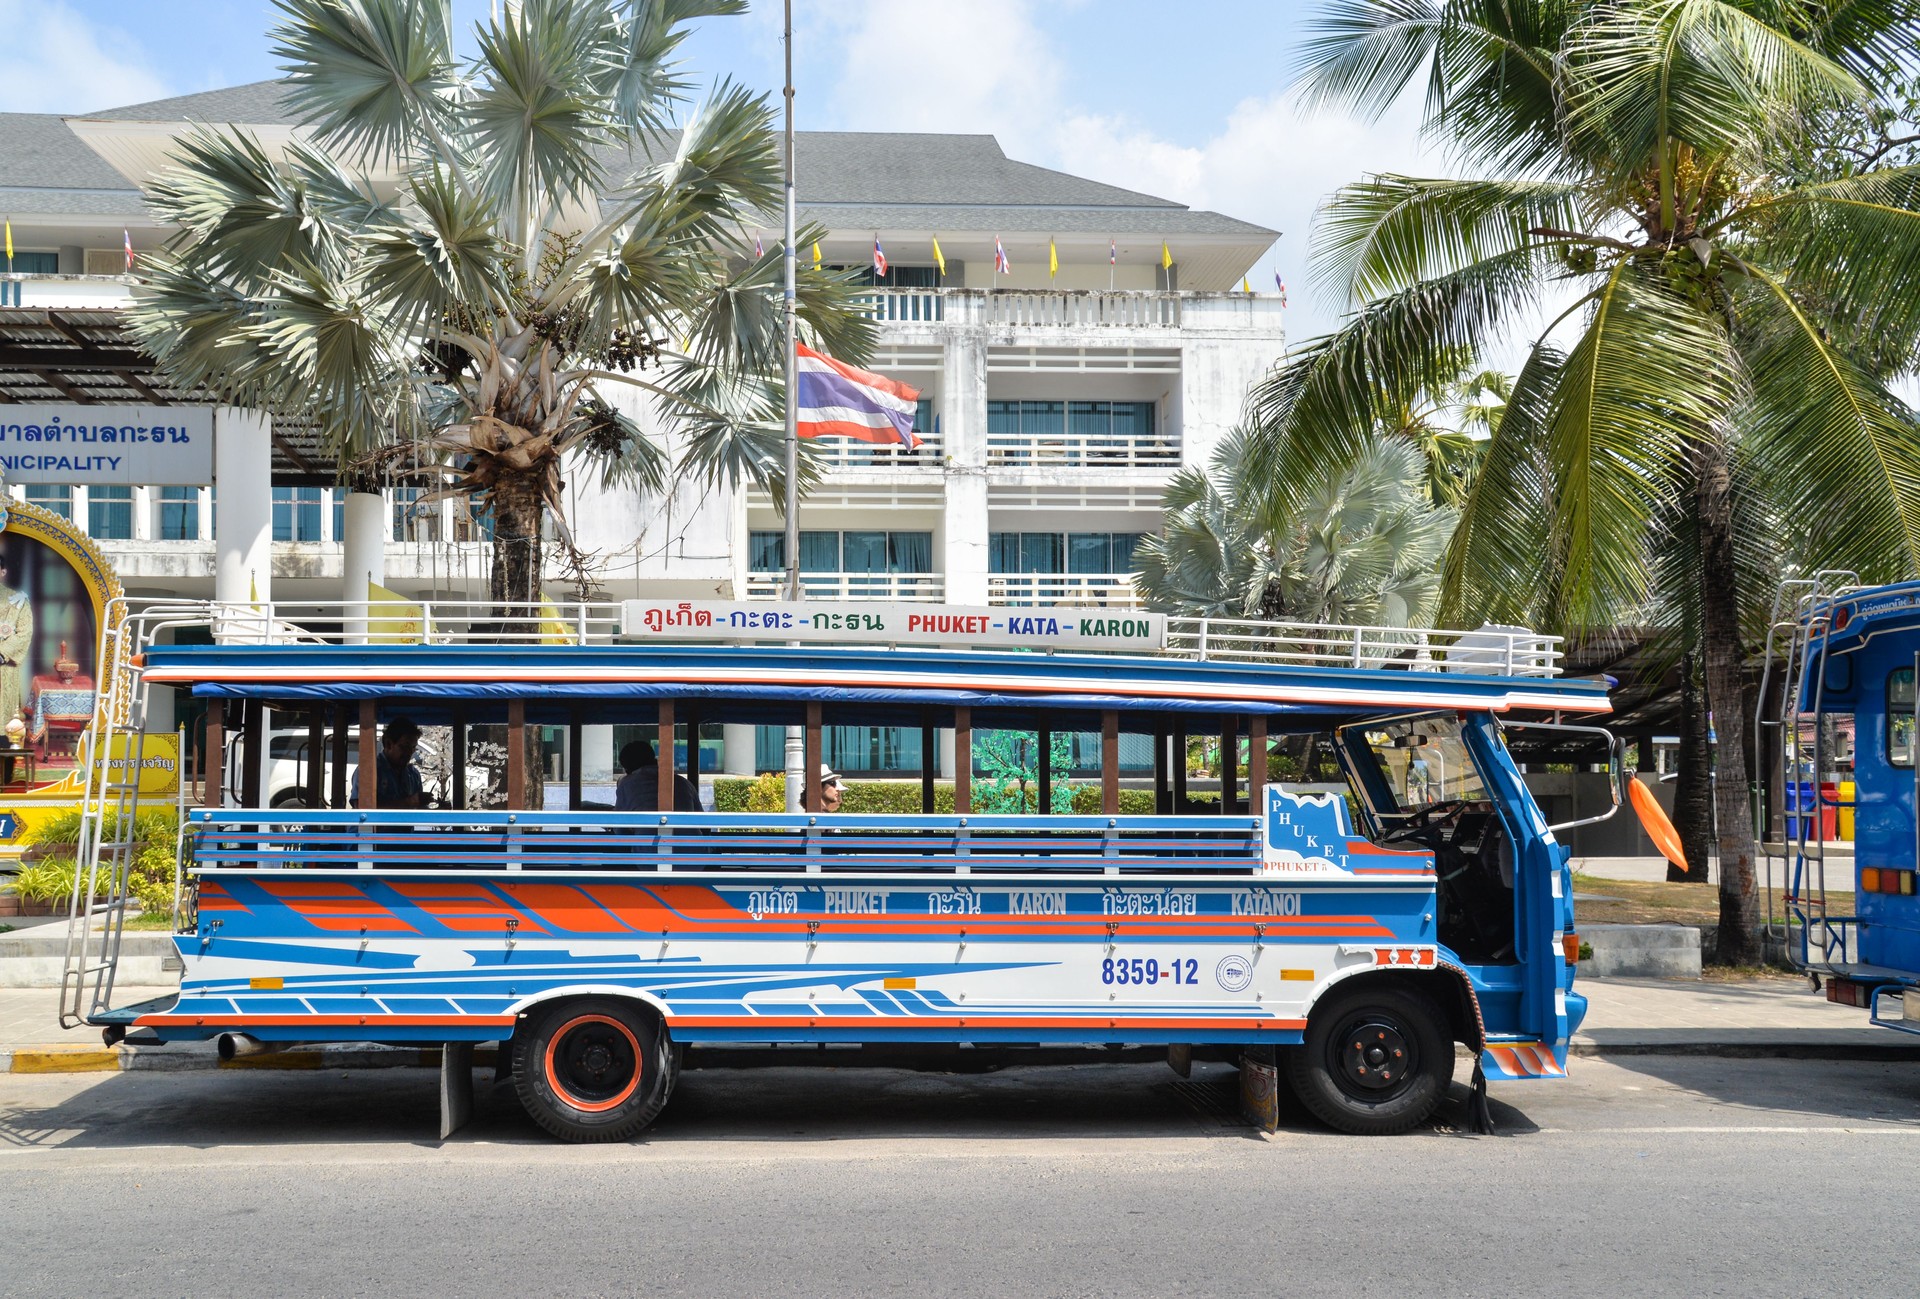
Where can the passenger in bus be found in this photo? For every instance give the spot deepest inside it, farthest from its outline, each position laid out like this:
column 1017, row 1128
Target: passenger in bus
column 830, row 792
column 397, row 781
column 639, row 789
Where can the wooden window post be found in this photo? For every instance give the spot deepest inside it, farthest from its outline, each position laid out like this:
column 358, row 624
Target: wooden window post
column 813, row 758
column 575, row 746
column 516, row 754
column 929, row 763
column 1043, row 767
column 369, row 774
column 963, row 761
column 1179, row 759
column 1110, row 762
column 316, row 756
column 663, row 758
column 213, row 765
column 1257, row 764
column 1230, row 766
column 1162, row 786
column 457, row 737
column 341, row 714
column 252, row 739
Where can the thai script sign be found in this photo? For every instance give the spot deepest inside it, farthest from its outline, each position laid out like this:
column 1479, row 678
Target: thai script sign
column 107, row 445
column 863, row 623
column 157, row 755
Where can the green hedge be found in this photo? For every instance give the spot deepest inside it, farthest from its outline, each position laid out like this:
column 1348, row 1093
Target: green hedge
column 767, row 793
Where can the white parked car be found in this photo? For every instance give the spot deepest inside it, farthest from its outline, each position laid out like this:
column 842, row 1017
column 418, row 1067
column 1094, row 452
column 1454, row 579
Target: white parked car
column 286, row 778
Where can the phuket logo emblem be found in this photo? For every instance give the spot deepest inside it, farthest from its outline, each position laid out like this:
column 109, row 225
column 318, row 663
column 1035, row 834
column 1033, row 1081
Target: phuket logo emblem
column 1234, row 973
column 1306, row 834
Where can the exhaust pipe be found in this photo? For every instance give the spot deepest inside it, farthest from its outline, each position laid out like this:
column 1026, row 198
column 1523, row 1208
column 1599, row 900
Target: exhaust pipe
column 237, row 1046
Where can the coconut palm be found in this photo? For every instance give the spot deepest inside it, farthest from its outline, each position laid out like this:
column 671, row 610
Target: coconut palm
column 1714, row 319
column 1360, row 545
column 457, row 262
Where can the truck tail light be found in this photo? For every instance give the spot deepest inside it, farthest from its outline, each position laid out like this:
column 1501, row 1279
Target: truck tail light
column 1570, row 945
column 1846, row 992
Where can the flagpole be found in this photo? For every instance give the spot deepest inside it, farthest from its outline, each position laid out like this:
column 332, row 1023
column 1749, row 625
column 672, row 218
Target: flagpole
column 796, row 746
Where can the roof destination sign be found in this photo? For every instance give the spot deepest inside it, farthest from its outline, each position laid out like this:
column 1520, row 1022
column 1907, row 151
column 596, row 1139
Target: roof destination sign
column 859, row 622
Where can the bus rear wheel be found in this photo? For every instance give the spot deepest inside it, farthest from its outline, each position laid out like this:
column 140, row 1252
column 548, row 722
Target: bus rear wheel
column 1375, row 1060
column 593, row 1070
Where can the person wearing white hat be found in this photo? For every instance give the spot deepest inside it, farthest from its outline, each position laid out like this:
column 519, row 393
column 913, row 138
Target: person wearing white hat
column 829, row 789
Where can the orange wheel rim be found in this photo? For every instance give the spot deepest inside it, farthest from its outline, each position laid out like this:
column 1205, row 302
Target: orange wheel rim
column 554, row 1064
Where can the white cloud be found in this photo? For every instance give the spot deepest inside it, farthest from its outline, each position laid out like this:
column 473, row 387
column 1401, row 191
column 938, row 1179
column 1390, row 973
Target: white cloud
column 58, row 62
column 1269, row 163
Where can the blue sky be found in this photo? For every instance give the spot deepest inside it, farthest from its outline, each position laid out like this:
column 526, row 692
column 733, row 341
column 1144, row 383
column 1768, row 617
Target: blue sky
column 1187, row 102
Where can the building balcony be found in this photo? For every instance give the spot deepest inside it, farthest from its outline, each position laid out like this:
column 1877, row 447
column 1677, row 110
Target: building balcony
column 915, row 588
column 52, row 292
column 1066, row 450
column 1078, row 309
column 846, row 453
column 1080, row 590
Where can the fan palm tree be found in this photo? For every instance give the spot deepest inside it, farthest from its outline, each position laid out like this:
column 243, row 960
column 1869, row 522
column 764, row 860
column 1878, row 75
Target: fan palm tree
column 1728, row 323
column 456, row 262
column 1363, row 545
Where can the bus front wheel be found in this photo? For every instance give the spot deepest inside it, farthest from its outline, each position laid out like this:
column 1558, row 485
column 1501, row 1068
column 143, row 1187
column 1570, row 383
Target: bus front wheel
column 593, row 1070
column 1375, row 1060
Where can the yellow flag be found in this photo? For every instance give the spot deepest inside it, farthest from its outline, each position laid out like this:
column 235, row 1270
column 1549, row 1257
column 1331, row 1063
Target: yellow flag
column 1246, row 285
column 9, row 241
column 554, row 630
column 1053, row 260
column 939, row 258
column 1166, row 256
column 816, row 255
column 392, row 619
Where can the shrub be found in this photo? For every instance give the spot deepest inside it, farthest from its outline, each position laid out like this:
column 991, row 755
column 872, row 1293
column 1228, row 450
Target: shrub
column 45, row 881
column 730, row 793
column 60, row 829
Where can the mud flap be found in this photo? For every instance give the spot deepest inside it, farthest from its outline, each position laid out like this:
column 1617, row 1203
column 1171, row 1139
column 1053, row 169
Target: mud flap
column 456, row 1087
column 1260, row 1088
column 1479, row 1113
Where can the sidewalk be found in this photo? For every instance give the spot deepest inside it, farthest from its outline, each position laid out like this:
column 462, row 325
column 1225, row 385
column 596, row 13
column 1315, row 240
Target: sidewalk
column 1778, row 1017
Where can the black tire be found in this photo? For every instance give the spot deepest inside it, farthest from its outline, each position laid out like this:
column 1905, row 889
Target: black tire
column 1376, row 1061
column 594, row 1069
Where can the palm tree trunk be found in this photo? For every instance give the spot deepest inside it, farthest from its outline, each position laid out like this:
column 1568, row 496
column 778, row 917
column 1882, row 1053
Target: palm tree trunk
column 1693, row 789
column 1739, row 939
column 514, row 582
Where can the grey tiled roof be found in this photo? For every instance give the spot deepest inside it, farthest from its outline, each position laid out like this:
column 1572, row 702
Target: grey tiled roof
column 38, row 150
column 258, row 103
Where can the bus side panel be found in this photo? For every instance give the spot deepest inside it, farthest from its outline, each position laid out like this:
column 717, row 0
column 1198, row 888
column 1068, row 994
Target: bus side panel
column 788, row 957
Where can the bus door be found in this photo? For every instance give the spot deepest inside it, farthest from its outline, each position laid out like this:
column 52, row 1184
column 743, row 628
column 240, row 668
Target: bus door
column 1444, row 782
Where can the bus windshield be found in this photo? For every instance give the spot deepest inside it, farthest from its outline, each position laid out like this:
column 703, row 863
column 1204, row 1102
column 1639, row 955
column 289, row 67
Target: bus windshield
column 1424, row 761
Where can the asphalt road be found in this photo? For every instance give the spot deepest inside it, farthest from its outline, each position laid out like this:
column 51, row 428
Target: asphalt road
column 1646, row 1175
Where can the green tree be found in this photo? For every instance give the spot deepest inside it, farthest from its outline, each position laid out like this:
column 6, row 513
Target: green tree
column 1730, row 324
column 461, row 258
column 1361, row 544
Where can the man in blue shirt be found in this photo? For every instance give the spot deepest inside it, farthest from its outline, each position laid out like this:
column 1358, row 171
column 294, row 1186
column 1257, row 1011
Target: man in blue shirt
column 397, row 779
column 639, row 789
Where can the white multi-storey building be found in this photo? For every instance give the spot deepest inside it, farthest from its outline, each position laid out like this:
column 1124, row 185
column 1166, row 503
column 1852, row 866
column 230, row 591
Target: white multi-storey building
column 1055, row 404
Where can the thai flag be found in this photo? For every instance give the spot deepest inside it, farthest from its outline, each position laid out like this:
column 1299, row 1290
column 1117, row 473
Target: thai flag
column 1001, row 266
column 836, row 400
column 758, row 251
column 1113, row 253
column 879, row 257
column 127, row 240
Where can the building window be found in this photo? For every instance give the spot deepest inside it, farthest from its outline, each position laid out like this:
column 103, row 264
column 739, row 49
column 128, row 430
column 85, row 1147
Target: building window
column 57, row 497
column 179, row 514
column 1062, row 552
column 296, row 514
column 34, row 264
column 339, row 497
column 845, row 552
column 897, row 277
column 413, row 521
column 110, row 513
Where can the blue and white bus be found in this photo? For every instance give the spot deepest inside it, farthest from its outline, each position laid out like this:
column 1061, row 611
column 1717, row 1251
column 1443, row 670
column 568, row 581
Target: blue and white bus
column 1351, row 935
column 1837, row 709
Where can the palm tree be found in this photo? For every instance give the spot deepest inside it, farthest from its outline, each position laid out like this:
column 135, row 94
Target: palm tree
column 457, row 262
column 1363, row 544
column 1727, row 322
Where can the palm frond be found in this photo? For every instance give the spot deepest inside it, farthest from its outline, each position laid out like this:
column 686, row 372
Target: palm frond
column 370, row 76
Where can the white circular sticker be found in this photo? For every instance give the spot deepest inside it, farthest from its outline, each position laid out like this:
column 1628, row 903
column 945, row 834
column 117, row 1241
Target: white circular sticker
column 1234, row 973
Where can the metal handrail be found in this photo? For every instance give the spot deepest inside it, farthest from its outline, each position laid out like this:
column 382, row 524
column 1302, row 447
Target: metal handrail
column 1485, row 651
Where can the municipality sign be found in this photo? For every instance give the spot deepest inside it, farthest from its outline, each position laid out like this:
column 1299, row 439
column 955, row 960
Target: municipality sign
column 107, row 445
column 859, row 622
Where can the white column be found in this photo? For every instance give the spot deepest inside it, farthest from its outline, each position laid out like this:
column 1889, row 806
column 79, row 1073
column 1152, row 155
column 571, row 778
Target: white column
column 736, row 749
column 963, row 419
column 143, row 499
column 596, row 755
column 243, row 523
column 365, row 544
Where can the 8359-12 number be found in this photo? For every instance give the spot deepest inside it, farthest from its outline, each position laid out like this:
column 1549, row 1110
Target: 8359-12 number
column 1148, row 970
